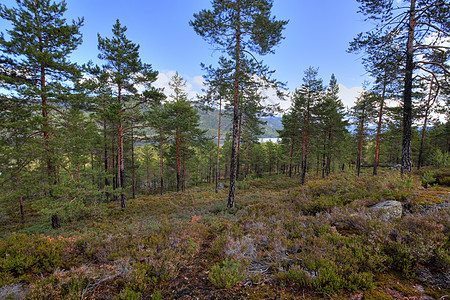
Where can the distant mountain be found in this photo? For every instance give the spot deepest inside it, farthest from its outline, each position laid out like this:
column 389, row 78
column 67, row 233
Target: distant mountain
column 210, row 121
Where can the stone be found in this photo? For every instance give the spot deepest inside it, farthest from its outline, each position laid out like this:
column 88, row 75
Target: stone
column 388, row 210
column 13, row 291
column 395, row 167
column 220, row 185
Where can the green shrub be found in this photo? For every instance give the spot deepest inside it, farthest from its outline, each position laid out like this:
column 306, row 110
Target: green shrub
column 296, row 276
column 228, row 275
column 22, row 254
column 61, row 285
column 329, row 281
column 440, row 159
column 428, row 178
column 141, row 278
column 326, row 278
column 401, row 259
column 128, row 294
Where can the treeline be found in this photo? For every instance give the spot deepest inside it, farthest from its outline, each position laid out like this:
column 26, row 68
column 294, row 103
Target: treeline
column 72, row 136
column 69, row 132
column 321, row 136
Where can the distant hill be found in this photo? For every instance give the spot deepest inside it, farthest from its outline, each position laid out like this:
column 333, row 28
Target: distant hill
column 210, row 121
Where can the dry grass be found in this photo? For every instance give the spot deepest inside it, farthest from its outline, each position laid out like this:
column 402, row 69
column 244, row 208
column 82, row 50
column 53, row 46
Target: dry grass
column 291, row 241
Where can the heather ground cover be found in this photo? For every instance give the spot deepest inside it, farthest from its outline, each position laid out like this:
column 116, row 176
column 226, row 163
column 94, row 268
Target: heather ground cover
column 281, row 241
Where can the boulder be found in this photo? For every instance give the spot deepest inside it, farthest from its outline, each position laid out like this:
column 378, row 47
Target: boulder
column 395, row 167
column 220, row 186
column 13, row 291
column 388, row 210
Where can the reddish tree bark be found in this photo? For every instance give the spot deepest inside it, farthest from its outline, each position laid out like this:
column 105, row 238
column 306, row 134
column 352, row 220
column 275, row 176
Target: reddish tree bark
column 380, row 119
column 234, row 155
column 407, row 95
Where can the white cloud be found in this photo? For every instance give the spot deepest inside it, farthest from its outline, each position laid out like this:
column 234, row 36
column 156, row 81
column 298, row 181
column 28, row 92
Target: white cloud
column 193, row 84
column 349, row 95
column 198, row 80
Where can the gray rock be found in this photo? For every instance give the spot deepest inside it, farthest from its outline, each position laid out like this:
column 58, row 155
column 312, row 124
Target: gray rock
column 388, row 210
column 395, row 167
column 440, row 279
column 13, row 291
column 220, row 185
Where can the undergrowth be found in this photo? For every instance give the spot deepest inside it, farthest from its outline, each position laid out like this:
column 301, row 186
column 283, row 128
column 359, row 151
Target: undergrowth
column 321, row 238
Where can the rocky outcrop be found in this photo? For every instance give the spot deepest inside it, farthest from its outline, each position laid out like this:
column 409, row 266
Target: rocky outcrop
column 13, row 291
column 388, row 210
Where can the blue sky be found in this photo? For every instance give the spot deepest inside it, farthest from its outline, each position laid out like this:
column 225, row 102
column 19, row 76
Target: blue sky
column 317, row 35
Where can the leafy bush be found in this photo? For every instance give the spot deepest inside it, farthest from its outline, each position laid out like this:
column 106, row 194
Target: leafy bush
column 427, row 178
column 326, row 278
column 228, row 275
column 61, row 284
column 440, row 159
column 22, row 254
column 128, row 294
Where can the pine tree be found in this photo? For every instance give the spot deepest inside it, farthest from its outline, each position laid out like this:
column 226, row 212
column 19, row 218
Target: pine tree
column 38, row 71
column 290, row 134
column 238, row 27
column 383, row 62
column 305, row 100
column 219, row 85
column 362, row 112
column 125, row 71
column 330, row 118
column 421, row 26
column 17, row 149
column 183, row 122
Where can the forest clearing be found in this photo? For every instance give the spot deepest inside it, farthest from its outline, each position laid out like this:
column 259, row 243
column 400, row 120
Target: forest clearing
column 121, row 179
column 281, row 241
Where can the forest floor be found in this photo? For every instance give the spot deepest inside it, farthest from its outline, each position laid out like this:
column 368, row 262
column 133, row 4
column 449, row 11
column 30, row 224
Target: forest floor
column 281, row 241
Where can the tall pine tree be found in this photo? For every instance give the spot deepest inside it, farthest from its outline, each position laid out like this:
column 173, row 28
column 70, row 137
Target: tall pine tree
column 239, row 27
column 38, row 71
column 125, row 71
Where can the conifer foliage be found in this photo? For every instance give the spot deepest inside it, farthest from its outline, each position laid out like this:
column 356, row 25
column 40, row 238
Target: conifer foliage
column 37, row 71
column 124, row 71
column 72, row 137
column 240, row 27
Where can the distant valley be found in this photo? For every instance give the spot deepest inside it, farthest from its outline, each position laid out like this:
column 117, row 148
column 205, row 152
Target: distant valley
column 210, row 121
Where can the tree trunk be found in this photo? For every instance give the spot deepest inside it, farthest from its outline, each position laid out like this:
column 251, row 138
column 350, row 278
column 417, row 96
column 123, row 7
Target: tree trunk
column 360, row 145
column 210, row 172
column 246, row 162
column 46, row 124
column 114, row 166
column 105, row 153
column 233, row 165
column 407, row 95
column 291, row 154
column 330, row 141
column 324, row 156
column 147, row 171
column 380, row 119
column 226, row 169
column 183, row 174
column 19, row 182
column 120, row 162
column 238, row 166
column 178, row 161
column 161, row 161
column 218, row 144
column 425, row 121
column 133, row 178
column 55, row 222
column 305, row 145
column 317, row 163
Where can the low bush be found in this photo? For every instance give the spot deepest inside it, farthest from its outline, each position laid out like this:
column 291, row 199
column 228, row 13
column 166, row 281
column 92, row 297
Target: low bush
column 22, row 254
column 228, row 275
